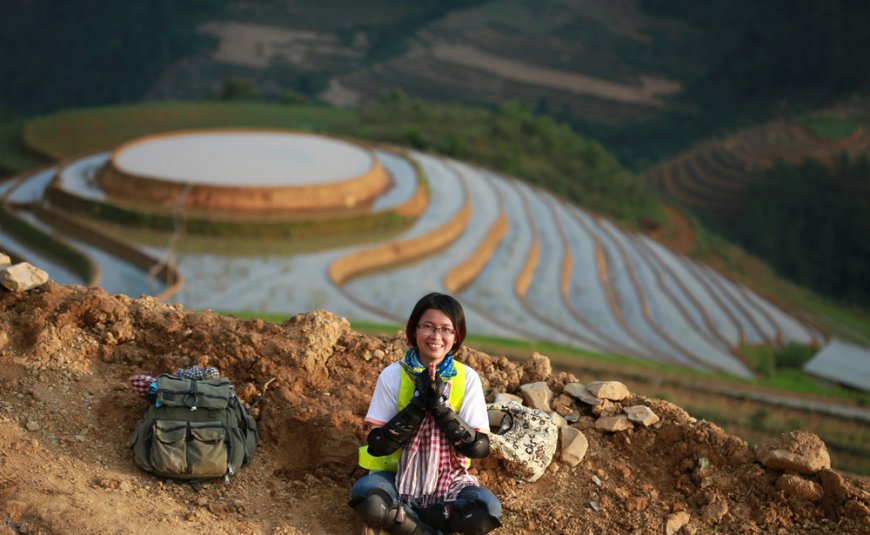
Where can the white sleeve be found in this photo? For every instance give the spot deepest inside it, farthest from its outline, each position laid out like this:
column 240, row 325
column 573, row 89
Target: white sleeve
column 473, row 409
column 385, row 400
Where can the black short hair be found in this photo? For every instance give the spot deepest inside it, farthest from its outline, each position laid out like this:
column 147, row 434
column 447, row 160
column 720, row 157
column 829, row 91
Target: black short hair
column 446, row 304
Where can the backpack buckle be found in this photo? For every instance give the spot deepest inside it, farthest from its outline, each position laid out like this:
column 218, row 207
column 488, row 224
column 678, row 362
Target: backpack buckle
column 189, row 399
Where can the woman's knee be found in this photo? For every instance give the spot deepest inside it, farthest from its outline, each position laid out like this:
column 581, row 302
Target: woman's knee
column 482, row 495
column 384, row 481
column 476, row 511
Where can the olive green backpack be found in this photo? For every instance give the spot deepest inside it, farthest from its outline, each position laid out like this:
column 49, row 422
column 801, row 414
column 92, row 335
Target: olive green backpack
column 196, row 429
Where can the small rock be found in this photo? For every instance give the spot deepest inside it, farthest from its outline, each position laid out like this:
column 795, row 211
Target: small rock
column 641, row 414
column 32, row 425
column 37, row 393
column 563, row 404
column 537, row 368
column 834, row 486
column 857, row 509
column 15, row 509
column 202, row 501
column 605, row 408
column 504, row 396
column 636, row 503
column 594, row 506
column 796, row 451
column 557, row 419
column 537, row 395
column 613, row 423
column 799, row 488
column 676, row 521
column 574, row 446
column 22, row 277
column 125, row 486
column 612, row 390
column 5, row 260
column 108, row 483
column 579, row 391
column 595, row 479
column 715, row 511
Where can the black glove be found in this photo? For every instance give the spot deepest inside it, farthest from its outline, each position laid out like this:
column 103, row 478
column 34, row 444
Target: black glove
column 429, row 393
column 464, row 438
column 387, row 439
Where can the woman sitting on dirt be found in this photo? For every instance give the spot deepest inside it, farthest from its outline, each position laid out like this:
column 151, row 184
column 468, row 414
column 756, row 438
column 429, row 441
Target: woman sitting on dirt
column 429, row 417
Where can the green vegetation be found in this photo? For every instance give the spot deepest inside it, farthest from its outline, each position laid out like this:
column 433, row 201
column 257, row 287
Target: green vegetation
column 15, row 157
column 741, row 62
column 770, row 361
column 764, row 52
column 513, row 140
column 810, row 223
column 74, row 133
column 90, row 52
column 829, row 127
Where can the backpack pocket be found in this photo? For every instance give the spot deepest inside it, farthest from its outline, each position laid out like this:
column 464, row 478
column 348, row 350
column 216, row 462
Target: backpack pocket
column 169, row 448
column 189, row 450
column 207, row 449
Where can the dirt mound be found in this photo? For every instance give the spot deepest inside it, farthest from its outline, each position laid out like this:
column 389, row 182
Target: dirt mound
column 66, row 412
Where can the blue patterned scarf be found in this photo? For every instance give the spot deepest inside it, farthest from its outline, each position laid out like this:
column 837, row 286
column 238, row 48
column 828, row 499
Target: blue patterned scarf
column 412, row 365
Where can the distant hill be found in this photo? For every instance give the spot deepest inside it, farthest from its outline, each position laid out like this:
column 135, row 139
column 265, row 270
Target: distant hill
column 646, row 77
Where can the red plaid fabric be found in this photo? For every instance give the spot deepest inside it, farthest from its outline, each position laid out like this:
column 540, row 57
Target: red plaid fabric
column 431, row 471
column 141, row 382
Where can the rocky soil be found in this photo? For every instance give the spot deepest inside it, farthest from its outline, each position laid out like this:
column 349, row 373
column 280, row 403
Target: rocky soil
column 66, row 412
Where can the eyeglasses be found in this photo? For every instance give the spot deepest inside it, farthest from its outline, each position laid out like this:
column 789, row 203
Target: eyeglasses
column 428, row 328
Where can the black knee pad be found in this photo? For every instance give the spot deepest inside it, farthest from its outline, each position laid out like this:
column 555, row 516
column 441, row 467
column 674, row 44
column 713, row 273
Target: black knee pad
column 375, row 508
column 473, row 519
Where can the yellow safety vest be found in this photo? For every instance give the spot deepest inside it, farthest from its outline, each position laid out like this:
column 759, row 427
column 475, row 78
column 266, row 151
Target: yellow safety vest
column 390, row 463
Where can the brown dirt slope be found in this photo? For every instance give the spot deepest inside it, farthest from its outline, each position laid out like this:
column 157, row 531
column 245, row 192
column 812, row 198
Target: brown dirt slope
column 66, row 413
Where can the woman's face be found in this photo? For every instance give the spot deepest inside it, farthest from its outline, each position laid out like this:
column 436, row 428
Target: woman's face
column 435, row 336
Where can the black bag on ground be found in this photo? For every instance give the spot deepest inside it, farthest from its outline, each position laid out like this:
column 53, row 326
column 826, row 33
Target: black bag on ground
column 197, row 429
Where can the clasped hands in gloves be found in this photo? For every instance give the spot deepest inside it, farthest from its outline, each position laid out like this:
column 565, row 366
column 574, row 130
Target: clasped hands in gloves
column 429, row 393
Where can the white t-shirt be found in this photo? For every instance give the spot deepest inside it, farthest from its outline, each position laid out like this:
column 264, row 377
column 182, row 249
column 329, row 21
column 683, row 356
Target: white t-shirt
column 385, row 399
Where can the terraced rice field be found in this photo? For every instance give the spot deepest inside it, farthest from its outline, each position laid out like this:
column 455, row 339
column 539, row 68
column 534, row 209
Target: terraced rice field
column 715, row 177
column 525, row 263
